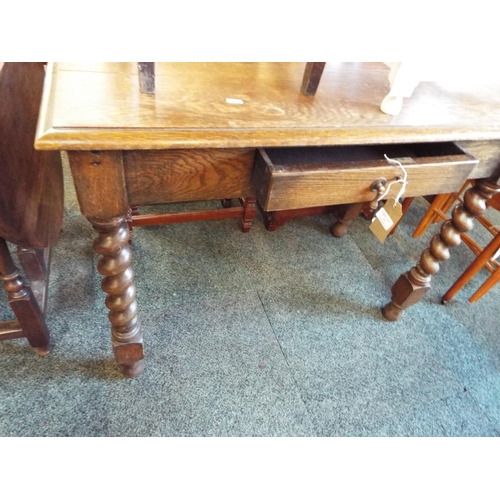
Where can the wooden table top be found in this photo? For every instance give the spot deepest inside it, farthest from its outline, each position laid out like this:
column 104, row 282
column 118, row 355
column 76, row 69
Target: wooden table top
column 99, row 106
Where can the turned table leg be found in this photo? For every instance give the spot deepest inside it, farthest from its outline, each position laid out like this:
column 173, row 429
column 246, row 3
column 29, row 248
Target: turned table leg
column 118, row 284
column 412, row 285
column 23, row 303
column 102, row 194
column 339, row 229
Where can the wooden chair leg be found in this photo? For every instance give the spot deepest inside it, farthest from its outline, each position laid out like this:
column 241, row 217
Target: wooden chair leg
column 447, row 204
column 492, row 280
column 147, row 77
column 476, row 250
column 430, row 214
column 452, row 198
column 23, row 303
column 479, row 262
column 312, row 77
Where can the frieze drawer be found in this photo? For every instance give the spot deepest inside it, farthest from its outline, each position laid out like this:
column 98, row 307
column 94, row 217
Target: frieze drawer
column 291, row 178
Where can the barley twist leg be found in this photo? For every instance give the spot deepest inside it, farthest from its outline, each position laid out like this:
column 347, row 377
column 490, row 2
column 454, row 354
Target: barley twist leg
column 412, row 285
column 118, row 284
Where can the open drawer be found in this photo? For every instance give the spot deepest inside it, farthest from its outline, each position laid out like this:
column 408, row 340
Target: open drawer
column 291, row 178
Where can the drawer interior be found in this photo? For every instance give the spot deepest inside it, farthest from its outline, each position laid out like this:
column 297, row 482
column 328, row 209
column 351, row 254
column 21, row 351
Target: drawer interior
column 315, row 156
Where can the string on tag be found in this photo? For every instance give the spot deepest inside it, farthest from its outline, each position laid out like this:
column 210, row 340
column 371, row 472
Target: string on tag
column 402, row 181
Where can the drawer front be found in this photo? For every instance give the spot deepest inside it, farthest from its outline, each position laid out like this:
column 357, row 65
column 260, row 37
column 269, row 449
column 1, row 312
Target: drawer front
column 187, row 175
column 283, row 186
column 488, row 154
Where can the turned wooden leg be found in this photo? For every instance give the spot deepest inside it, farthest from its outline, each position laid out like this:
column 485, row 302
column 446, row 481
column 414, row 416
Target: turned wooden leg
column 118, row 284
column 339, row 229
column 412, row 285
column 23, row 303
column 249, row 213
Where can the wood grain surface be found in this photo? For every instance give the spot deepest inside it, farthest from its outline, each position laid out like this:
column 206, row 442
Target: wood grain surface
column 31, row 184
column 187, row 175
column 488, row 152
column 100, row 183
column 100, row 106
column 281, row 186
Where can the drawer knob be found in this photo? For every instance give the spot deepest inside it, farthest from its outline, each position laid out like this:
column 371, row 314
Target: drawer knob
column 379, row 187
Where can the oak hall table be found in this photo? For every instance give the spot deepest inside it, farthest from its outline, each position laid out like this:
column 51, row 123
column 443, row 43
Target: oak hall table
column 196, row 139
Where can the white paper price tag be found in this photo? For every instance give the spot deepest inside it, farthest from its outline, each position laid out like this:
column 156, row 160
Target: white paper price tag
column 384, row 219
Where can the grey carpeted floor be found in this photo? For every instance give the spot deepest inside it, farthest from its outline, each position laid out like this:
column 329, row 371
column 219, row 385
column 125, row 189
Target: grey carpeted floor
column 259, row 334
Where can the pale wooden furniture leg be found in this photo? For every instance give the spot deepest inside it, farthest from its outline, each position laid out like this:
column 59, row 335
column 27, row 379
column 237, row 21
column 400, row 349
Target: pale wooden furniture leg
column 452, row 198
column 493, row 279
column 429, row 216
column 479, row 262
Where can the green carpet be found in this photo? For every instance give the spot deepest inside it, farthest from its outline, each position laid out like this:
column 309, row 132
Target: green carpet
column 259, row 334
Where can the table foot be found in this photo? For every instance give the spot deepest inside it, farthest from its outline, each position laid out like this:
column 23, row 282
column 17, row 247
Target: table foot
column 133, row 370
column 392, row 312
column 43, row 351
column 408, row 290
column 339, row 229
